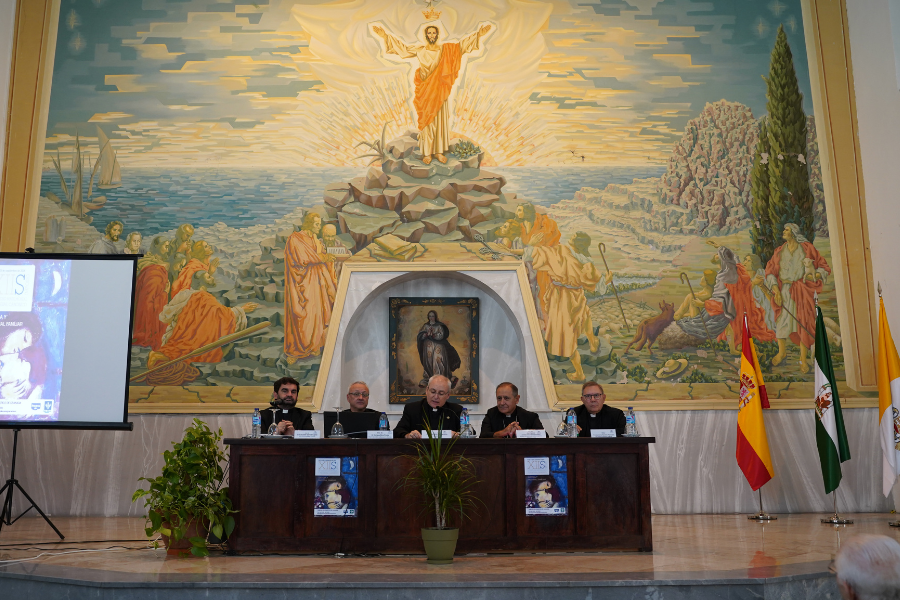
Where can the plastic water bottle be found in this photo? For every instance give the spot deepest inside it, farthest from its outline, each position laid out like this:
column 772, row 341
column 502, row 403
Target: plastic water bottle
column 630, row 424
column 465, row 430
column 383, row 424
column 257, row 424
column 571, row 423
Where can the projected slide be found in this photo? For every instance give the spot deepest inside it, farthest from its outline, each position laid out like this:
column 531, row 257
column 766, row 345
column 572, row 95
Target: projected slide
column 34, row 299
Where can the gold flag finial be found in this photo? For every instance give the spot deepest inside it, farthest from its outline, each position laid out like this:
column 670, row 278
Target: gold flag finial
column 879, row 289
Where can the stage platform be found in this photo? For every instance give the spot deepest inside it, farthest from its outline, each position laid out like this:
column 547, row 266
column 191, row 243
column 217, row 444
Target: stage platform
column 696, row 556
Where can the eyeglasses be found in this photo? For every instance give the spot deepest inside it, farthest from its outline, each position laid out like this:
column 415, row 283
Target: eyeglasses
column 593, row 396
column 359, row 394
column 439, row 393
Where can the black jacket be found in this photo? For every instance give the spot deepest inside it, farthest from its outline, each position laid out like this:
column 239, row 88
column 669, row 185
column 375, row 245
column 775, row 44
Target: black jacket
column 414, row 415
column 302, row 419
column 366, row 410
column 607, row 418
column 495, row 421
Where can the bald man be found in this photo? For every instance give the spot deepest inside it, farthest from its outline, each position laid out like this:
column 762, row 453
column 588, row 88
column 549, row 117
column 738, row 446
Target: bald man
column 433, row 409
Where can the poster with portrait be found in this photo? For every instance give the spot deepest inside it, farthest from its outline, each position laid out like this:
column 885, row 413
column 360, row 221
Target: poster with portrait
column 546, row 486
column 336, row 486
column 433, row 336
column 34, row 298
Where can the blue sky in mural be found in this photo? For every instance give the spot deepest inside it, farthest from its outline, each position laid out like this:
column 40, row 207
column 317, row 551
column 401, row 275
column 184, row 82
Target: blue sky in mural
column 191, row 81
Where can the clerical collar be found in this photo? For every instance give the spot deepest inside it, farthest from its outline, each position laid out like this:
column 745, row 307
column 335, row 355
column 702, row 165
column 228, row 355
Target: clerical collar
column 593, row 415
column 433, row 409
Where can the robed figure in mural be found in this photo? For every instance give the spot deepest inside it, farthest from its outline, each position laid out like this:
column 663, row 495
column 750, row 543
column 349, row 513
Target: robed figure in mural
column 151, row 294
column 795, row 273
column 310, row 286
column 437, row 355
column 438, row 70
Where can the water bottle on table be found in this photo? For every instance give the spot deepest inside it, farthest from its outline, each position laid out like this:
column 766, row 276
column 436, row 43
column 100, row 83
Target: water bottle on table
column 630, row 423
column 383, row 424
column 257, row 424
column 571, row 423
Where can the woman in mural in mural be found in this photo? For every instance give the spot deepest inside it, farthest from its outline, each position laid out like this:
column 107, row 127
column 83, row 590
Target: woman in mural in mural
column 437, row 355
column 310, row 286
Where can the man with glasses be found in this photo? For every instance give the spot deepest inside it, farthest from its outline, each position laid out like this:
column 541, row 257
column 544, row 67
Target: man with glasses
column 433, row 410
column 594, row 414
column 358, row 398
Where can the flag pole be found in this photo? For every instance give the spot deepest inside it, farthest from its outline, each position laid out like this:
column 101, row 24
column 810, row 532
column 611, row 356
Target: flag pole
column 761, row 515
column 891, row 523
column 836, row 519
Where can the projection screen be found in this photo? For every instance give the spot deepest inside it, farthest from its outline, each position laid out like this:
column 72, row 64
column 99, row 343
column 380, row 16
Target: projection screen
column 65, row 329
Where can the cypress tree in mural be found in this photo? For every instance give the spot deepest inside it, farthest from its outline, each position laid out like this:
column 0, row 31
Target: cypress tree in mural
column 761, row 237
column 790, row 200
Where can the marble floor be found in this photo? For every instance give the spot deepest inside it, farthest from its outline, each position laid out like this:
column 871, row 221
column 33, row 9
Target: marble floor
column 694, row 547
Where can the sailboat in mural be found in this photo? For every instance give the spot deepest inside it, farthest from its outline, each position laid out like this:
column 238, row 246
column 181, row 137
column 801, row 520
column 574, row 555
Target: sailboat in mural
column 110, row 174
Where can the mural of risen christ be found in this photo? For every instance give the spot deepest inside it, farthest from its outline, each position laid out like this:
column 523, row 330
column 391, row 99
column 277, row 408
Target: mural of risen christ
column 439, row 66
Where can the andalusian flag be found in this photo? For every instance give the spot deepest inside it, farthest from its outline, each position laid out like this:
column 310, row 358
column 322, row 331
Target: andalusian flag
column 752, row 445
column 831, row 437
column 888, row 402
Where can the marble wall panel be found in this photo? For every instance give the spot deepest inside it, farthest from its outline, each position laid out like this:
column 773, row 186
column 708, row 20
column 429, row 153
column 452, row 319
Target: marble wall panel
column 692, row 464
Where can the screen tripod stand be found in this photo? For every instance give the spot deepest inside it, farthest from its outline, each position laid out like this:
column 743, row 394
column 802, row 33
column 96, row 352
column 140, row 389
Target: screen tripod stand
column 13, row 483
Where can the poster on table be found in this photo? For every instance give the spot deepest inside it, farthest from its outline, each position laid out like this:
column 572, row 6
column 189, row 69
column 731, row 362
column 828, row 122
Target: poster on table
column 336, row 487
column 546, row 486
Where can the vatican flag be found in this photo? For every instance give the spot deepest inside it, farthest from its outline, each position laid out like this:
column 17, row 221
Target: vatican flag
column 888, row 402
column 752, row 444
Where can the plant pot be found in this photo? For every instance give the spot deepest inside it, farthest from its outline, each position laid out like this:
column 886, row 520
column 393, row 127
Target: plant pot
column 183, row 546
column 440, row 544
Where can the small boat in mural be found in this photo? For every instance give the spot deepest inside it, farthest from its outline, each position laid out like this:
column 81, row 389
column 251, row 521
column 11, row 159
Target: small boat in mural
column 110, row 174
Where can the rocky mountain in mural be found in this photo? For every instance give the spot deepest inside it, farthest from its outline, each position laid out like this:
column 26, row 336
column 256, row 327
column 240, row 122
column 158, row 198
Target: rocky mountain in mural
column 706, row 189
column 420, row 203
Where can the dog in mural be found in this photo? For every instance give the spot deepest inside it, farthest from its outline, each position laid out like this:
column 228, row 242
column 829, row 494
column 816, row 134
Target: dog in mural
column 649, row 329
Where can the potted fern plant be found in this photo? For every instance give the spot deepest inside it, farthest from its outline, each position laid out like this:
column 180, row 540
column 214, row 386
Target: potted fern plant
column 446, row 480
column 188, row 501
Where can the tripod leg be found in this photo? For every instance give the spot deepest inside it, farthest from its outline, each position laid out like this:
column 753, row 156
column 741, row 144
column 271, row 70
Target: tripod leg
column 37, row 508
column 6, row 512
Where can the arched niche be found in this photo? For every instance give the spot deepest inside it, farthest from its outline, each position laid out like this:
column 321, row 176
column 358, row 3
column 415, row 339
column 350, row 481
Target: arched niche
column 356, row 348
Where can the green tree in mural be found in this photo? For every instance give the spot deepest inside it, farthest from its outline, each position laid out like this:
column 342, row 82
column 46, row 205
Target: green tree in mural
column 790, row 199
column 761, row 236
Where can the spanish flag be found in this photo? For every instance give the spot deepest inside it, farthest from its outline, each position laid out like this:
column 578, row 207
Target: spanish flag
column 752, row 445
column 888, row 402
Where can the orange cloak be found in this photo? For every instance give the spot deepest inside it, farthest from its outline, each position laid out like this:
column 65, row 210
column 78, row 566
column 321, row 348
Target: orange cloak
column 310, row 286
column 433, row 90
column 183, row 281
column 546, row 225
column 151, row 297
column 202, row 321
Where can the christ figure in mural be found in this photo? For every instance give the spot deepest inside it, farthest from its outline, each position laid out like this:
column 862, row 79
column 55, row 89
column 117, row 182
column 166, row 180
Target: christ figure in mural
column 439, row 66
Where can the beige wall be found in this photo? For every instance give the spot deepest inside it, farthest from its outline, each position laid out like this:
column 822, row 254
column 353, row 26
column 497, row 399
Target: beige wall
column 7, row 25
column 878, row 111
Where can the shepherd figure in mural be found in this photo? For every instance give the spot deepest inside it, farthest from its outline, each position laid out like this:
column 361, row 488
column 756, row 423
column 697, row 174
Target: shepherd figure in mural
column 310, row 285
column 438, row 70
column 437, row 355
column 795, row 273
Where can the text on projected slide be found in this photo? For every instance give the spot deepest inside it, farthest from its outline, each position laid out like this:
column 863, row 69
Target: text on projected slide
column 34, row 298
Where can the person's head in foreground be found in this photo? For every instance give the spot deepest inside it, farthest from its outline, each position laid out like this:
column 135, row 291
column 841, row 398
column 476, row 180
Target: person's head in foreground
column 868, row 568
column 438, row 391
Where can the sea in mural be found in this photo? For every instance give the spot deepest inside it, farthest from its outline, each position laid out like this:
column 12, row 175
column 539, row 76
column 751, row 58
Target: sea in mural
column 653, row 162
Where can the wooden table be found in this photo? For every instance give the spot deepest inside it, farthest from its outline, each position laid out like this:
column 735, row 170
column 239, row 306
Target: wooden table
column 272, row 483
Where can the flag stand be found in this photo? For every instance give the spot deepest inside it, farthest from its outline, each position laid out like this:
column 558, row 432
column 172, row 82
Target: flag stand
column 894, row 523
column 835, row 519
column 762, row 516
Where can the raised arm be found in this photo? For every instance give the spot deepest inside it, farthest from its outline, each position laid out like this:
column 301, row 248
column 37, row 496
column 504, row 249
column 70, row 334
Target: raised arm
column 472, row 41
column 393, row 44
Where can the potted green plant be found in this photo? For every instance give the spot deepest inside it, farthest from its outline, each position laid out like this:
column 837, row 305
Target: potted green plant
column 188, row 501
column 446, row 480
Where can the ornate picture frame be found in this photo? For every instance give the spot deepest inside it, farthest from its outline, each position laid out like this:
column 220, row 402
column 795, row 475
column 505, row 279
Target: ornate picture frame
column 433, row 336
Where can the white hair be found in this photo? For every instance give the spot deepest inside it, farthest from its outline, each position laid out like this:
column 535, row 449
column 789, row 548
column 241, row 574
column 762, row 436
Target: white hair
column 870, row 566
column 795, row 229
column 436, row 378
column 358, row 383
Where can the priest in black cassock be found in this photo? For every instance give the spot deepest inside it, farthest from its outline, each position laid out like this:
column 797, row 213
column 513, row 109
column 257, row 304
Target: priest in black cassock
column 433, row 409
column 503, row 420
column 595, row 414
column 288, row 417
